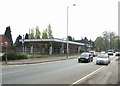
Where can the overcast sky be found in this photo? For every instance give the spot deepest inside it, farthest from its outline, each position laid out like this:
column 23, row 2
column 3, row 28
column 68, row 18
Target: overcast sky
column 89, row 18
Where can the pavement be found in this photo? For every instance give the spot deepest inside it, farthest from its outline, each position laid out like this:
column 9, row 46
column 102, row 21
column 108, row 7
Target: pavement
column 37, row 60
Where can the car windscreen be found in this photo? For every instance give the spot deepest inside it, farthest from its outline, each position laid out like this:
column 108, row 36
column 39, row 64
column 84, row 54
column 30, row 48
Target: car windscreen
column 110, row 50
column 102, row 56
column 92, row 52
column 84, row 55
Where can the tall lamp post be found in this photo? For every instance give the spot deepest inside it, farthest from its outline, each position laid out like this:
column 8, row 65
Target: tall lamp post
column 67, row 31
column 6, row 44
column 23, row 44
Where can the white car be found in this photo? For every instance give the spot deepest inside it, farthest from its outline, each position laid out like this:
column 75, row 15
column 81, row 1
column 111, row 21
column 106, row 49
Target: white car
column 103, row 59
column 110, row 52
column 93, row 53
column 117, row 53
column 103, row 52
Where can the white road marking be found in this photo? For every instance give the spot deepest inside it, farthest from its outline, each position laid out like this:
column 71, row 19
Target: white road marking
column 87, row 76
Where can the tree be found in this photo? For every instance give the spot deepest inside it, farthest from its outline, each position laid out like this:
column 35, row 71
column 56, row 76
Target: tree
column 73, row 38
column 106, row 37
column 26, row 36
column 112, row 40
column 99, row 43
column 108, row 40
column 117, row 42
column 17, row 43
column 44, row 34
column 8, row 34
column 70, row 38
column 31, row 34
column 37, row 35
column 49, row 31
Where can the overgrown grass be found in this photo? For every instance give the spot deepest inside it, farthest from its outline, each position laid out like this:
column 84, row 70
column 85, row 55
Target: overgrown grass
column 19, row 56
column 48, row 56
column 37, row 56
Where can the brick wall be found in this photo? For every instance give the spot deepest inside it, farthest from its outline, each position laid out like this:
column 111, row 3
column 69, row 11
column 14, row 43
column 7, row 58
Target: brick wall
column 4, row 39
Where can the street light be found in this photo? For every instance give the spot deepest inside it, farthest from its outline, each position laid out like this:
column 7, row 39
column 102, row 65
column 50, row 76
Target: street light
column 6, row 43
column 23, row 44
column 67, row 31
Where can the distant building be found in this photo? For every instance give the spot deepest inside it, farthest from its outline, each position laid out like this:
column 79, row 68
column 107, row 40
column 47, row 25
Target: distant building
column 89, row 44
column 4, row 43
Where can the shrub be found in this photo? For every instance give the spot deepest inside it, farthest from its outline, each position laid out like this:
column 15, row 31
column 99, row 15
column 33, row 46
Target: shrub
column 82, row 50
column 37, row 56
column 14, row 56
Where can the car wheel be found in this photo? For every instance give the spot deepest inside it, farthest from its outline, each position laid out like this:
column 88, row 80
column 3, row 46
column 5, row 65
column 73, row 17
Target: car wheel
column 88, row 60
column 106, row 64
column 91, row 60
column 79, row 61
column 96, row 63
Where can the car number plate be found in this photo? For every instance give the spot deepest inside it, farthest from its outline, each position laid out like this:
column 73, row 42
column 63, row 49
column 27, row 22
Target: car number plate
column 82, row 59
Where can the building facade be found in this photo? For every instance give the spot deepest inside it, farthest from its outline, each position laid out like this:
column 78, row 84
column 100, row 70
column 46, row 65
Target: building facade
column 5, row 43
column 88, row 44
column 48, row 46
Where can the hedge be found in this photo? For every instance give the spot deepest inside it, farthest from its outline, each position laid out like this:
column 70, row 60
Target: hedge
column 14, row 56
column 37, row 56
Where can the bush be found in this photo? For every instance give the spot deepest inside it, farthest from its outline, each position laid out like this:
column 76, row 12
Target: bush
column 14, row 56
column 37, row 56
column 82, row 50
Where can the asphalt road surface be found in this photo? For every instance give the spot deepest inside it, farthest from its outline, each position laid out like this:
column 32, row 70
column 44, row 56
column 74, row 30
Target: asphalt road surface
column 61, row 72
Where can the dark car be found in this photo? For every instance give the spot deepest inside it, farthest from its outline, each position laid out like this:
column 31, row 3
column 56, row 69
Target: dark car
column 85, row 57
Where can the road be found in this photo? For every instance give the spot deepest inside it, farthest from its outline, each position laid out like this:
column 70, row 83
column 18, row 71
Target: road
column 60, row 72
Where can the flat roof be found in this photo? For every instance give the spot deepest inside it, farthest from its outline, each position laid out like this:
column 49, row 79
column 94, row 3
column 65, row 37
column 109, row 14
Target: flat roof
column 51, row 40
